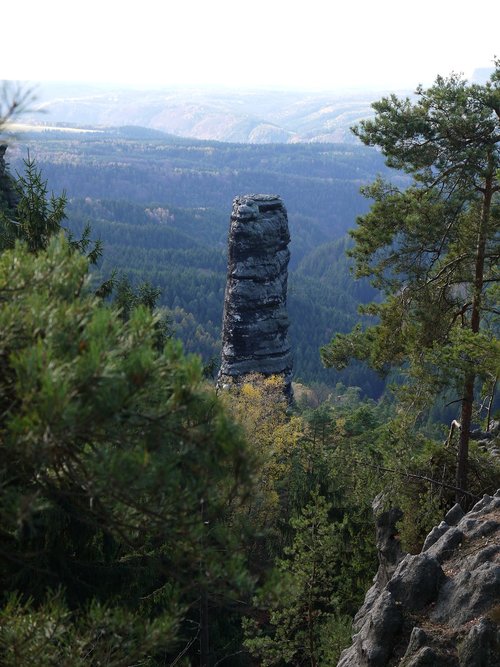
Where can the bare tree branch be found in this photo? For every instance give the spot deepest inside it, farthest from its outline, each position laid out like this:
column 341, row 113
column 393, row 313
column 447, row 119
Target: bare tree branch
column 15, row 99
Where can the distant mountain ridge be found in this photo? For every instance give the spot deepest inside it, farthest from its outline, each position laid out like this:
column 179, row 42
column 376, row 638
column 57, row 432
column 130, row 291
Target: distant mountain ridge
column 232, row 116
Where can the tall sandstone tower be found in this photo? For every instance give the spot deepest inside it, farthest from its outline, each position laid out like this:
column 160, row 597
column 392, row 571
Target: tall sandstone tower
column 255, row 323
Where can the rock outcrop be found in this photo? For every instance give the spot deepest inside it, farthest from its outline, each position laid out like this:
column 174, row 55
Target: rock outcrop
column 439, row 608
column 8, row 195
column 255, row 324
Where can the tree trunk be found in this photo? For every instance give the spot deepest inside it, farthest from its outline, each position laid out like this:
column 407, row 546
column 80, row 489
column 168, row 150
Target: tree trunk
column 475, row 322
column 463, row 443
column 312, row 644
column 491, row 403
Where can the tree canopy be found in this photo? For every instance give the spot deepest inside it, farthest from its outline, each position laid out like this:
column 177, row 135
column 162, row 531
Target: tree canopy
column 432, row 248
column 118, row 463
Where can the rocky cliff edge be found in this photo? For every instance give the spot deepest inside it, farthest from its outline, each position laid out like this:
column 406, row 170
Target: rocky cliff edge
column 439, row 608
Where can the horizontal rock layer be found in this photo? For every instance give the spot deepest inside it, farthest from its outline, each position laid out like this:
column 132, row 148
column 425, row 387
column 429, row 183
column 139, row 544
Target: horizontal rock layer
column 255, row 323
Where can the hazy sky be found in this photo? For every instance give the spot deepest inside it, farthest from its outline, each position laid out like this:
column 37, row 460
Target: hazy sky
column 316, row 44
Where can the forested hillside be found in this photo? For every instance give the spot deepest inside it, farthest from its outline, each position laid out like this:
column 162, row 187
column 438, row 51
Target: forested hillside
column 161, row 206
column 147, row 518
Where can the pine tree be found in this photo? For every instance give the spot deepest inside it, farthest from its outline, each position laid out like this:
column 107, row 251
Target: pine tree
column 432, row 248
column 300, row 601
column 118, row 464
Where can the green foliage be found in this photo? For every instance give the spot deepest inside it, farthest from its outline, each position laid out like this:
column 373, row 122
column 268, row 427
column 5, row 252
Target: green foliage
column 117, row 465
column 258, row 405
column 37, row 217
column 303, row 598
column 433, row 248
column 50, row 634
column 314, row 489
column 126, row 299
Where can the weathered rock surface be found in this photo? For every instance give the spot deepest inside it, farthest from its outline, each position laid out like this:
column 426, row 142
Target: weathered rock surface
column 8, row 196
column 255, row 323
column 389, row 552
column 440, row 608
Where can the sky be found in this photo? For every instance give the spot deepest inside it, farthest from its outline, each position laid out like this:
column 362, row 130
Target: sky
column 310, row 45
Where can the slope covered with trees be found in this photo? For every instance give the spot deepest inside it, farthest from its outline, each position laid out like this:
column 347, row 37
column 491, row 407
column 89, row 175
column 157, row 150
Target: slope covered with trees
column 146, row 520
column 136, row 522
column 161, row 207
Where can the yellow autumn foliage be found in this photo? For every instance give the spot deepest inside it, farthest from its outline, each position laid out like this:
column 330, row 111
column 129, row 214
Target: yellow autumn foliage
column 258, row 404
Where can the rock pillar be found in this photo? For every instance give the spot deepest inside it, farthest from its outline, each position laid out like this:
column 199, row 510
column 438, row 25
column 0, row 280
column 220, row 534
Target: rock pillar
column 255, row 323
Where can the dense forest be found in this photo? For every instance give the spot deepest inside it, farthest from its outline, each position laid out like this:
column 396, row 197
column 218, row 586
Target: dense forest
column 161, row 206
column 147, row 519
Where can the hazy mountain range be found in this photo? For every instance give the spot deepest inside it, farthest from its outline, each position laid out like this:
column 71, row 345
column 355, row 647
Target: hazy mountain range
column 241, row 116
column 220, row 115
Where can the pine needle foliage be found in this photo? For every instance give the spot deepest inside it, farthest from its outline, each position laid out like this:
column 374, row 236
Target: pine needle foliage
column 433, row 249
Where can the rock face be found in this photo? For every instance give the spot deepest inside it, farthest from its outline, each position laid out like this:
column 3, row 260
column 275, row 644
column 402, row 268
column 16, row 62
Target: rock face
column 8, row 196
column 255, row 324
column 439, row 608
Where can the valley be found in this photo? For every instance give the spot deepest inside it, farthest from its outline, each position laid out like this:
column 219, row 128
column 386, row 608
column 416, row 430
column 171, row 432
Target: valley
column 161, row 206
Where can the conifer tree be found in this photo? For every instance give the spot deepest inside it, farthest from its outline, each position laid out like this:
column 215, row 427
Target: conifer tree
column 300, row 601
column 432, row 248
column 118, row 464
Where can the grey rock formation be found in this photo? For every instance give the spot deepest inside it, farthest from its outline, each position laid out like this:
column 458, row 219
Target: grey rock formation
column 481, row 647
column 389, row 549
column 416, row 581
column 8, row 196
column 444, row 603
column 378, row 635
column 255, row 324
column 389, row 553
column 454, row 515
column 421, row 651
